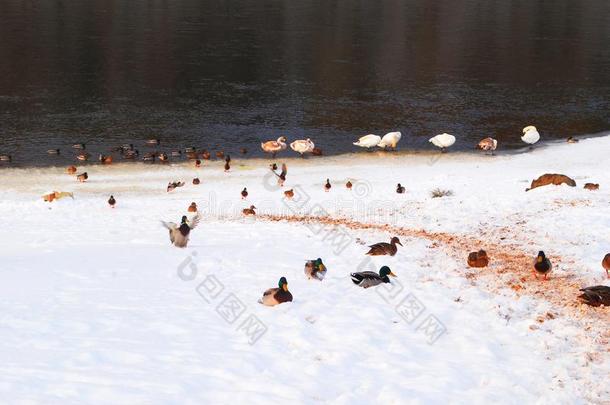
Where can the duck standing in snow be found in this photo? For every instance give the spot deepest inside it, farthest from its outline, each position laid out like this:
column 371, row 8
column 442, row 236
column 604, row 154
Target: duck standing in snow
column 390, row 140
column 174, row 185
column 542, row 265
column 606, row 264
column 315, row 269
column 244, row 193
column 111, row 201
column 281, row 178
column 179, row 235
column 327, row 186
column 205, row 155
column 196, row 181
column 530, row 135
column 382, row 248
column 442, row 141
column 595, row 296
column 192, row 207
column 249, row 211
column 275, row 296
column 368, row 141
column 71, row 169
column 83, row 156
column 227, row 164
column 366, row 279
column 400, row 189
column 82, row 177
column 487, row 145
column 289, row 194
column 274, row 147
column 105, row 159
column 348, row 185
column 302, row 146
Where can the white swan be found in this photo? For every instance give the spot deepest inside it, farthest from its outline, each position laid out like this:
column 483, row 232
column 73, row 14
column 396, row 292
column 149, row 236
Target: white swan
column 390, row 140
column 368, row 141
column 488, row 144
column 530, row 135
column 442, row 141
column 302, row 146
column 274, row 147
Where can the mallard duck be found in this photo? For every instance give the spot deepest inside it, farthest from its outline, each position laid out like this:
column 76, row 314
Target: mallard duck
column 366, row 279
column 176, row 153
column 382, row 248
column 192, row 207
column 327, row 186
column 289, row 194
column 275, row 296
column 591, row 186
column 390, row 140
column 249, row 211
column 111, row 201
column 244, row 193
column 196, row 181
column 174, row 185
column 542, row 265
column 78, row 146
column 596, row 295
column 348, row 185
column 179, row 235
column 400, row 189
column 105, row 159
column 442, row 141
column 274, row 147
column 82, row 177
column 197, row 163
column 149, row 157
column 530, row 135
column 281, row 178
column 83, row 156
column 205, row 155
column 153, row 142
column 131, row 154
column 571, row 139
column 368, row 141
column 315, row 269
column 302, row 146
column 273, row 166
column 227, row 166
column 71, row 169
column 190, row 149
column 53, row 152
column 163, row 157
column 487, row 145
column 6, row 158
column 606, row 264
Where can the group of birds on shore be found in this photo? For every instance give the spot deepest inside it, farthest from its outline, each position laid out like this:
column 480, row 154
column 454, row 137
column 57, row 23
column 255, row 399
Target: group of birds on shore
column 301, row 146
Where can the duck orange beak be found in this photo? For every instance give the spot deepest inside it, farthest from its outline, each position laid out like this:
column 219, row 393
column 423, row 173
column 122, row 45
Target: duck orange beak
column 285, row 287
column 393, row 275
column 399, row 243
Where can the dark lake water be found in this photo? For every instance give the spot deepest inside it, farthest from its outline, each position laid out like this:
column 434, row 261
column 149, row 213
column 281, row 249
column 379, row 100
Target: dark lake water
column 228, row 74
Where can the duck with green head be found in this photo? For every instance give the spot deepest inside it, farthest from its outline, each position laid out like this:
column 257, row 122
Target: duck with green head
column 275, row 296
column 315, row 269
column 366, row 279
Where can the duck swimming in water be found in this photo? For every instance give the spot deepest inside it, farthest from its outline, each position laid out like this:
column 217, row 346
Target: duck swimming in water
column 179, row 235
column 368, row 141
column 275, row 296
column 366, row 279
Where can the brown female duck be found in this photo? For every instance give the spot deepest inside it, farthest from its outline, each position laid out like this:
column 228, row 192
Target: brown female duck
column 382, row 248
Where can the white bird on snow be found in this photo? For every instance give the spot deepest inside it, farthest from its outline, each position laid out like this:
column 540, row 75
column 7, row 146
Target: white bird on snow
column 443, row 141
column 302, row 146
column 368, row 141
column 530, row 135
column 390, row 140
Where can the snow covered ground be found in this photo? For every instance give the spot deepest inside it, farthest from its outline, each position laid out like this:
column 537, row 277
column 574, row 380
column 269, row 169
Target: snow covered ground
column 97, row 307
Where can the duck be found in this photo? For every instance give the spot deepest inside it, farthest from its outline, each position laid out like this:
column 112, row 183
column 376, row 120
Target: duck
column 191, row 155
column 179, row 235
column 348, row 185
column 390, row 140
column 281, row 178
column 595, row 296
column 171, row 186
column 249, row 211
column 400, row 189
column 205, row 155
column 53, row 152
column 382, row 248
column 131, row 154
column 196, row 181
column 606, row 264
column 56, row 195
column 149, row 157
column 78, row 146
column 279, row 295
column 542, row 265
column 244, row 193
column 442, row 141
column 6, row 158
column 368, row 141
column 302, row 146
column 163, row 157
column 227, row 166
column 83, row 156
column 317, row 151
column 125, row 147
column 153, row 142
column 82, row 177
column 488, row 145
column 327, row 186
column 289, row 194
column 192, row 207
column 366, row 279
column 478, row 259
column 197, row 163
column 220, row 154
column 71, row 169
column 571, row 139
column 530, row 135
column 190, row 149
column 105, row 159
column 176, row 153
column 273, row 166
column 591, row 186
column 315, row 269
column 111, row 201
column 274, row 147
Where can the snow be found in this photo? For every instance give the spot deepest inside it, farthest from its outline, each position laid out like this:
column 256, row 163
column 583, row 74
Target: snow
column 96, row 306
